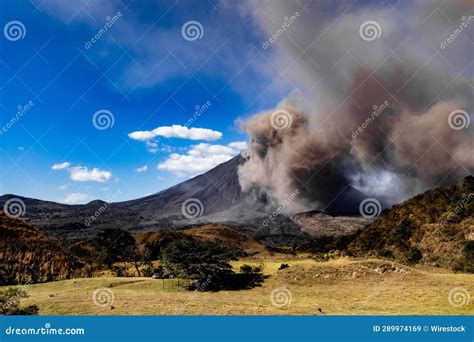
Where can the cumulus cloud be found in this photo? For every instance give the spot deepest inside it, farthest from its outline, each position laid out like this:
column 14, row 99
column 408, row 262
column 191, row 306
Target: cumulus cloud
column 177, row 131
column 141, row 169
column 83, row 173
column 200, row 158
column 75, row 198
column 61, row 166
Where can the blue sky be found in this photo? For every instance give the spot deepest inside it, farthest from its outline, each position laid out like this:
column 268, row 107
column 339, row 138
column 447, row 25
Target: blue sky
column 141, row 71
column 116, row 100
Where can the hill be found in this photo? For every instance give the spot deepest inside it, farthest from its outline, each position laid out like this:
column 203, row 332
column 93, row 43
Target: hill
column 219, row 234
column 436, row 227
column 27, row 255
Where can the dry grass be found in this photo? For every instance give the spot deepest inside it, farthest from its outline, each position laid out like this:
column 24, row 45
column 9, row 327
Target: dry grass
column 340, row 287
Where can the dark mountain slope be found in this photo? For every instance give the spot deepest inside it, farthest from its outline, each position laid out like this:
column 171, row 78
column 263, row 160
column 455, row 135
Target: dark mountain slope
column 218, row 196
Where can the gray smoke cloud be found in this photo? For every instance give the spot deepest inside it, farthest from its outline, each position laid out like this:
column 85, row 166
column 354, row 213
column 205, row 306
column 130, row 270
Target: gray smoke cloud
column 372, row 115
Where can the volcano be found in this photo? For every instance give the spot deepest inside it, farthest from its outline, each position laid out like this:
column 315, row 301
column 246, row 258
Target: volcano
column 215, row 197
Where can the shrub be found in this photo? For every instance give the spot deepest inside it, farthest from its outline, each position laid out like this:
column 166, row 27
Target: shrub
column 148, row 270
column 403, row 230
column 466, row 261
column 283, row 266
column 414, row 255
column 246, row 268
column 10, row 303
column 119, row 271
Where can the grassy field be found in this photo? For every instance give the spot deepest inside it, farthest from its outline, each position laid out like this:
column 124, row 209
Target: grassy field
column 337, row 287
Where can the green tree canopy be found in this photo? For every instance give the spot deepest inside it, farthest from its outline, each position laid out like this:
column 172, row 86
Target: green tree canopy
column 195, row 259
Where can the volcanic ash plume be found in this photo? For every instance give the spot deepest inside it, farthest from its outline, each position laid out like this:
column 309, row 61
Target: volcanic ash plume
column 389, row 127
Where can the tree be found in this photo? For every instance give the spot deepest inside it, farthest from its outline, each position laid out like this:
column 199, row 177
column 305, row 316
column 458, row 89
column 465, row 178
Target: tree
column 197, row 260
column 137, row 258
column 113, row 244
column 10, row 303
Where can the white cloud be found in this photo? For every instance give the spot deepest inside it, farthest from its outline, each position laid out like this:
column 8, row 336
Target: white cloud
column 141, row 169
column 152, row 146
column 83, row 174
column 177, row 131
column 62, row 187
column 75, row 198
column 141, row 135
column 200, row 158
column 61, row 166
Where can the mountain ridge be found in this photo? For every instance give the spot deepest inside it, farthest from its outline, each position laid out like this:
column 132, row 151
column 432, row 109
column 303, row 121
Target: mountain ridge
column 218, row 198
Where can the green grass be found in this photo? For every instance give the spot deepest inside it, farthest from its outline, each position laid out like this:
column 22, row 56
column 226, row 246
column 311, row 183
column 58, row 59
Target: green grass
column 339, row 287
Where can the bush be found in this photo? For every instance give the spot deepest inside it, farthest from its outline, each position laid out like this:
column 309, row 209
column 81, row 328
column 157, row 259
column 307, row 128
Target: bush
column 283, row 266
column 414, row 255
column 10, row 303
column 403, row 230
column 466, row 261
column 246, row 268
column 119, row 271
column 148, row 270
column 252, row 269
